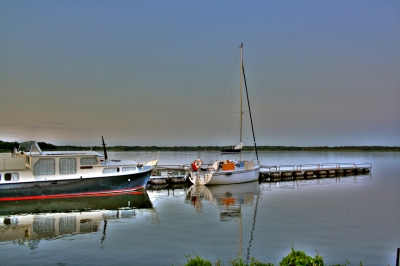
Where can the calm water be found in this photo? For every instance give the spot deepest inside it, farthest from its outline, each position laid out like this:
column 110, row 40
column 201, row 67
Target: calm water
column 353, row 218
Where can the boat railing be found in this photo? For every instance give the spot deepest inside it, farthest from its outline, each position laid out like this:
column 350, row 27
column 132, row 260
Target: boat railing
column 309, row 166
column 151, row 158
column 354, row 165
column 172, row 166
column 287, row 167
column 363, row 165
column 269, row 167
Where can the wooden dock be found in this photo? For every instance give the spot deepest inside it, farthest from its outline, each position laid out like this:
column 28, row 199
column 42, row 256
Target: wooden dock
column 168, row 175
column 311, row 171
column 176, row 174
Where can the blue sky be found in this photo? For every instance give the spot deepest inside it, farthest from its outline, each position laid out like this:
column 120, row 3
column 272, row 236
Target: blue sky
column 319, row 73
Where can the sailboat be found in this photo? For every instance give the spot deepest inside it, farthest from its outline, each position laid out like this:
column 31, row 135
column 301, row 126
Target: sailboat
column 228, row 171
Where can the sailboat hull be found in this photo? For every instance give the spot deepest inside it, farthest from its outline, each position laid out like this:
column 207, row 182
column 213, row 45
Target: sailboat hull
column 236, row 176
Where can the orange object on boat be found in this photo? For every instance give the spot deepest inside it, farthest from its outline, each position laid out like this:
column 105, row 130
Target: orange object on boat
column 227, row 166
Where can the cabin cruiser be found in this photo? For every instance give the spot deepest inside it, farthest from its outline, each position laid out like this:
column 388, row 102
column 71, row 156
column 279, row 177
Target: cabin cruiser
column 30, row 173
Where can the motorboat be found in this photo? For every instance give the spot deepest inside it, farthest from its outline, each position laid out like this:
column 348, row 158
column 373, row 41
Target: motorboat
column 29, row 173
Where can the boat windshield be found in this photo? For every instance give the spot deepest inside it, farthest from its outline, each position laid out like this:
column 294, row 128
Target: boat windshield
column 29, row 146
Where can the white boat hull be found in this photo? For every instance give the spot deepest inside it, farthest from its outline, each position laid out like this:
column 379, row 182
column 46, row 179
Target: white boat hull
column 237, row 176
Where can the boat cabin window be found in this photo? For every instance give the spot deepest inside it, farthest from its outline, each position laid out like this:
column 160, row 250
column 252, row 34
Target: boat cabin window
column 67, row 166
column 88, row 161
column 11, row 177
column 127, row 169
column 11, row 221
column 44, row 166
column 44, row 225
column 87, row 226
column 110, row 170
column 67, row 225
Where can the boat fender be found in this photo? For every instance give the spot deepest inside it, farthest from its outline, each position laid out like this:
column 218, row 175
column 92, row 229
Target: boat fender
column 196, row 164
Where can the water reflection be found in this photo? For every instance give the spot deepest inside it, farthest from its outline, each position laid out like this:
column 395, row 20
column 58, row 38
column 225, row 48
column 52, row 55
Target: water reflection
column 330, row 181
column 229, row 198
column 27, row 222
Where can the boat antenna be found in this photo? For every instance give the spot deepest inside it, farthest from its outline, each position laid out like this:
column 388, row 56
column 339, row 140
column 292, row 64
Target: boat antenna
column 104, row 148
column 248, row 103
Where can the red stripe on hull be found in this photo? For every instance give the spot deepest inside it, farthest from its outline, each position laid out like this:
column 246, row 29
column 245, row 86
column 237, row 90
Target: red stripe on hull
column 77, row 195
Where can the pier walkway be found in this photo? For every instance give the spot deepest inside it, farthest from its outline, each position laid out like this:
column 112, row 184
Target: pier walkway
column 277, row 173
column 176, row 174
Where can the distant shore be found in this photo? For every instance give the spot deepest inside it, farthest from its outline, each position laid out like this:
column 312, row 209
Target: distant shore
column 9, row 147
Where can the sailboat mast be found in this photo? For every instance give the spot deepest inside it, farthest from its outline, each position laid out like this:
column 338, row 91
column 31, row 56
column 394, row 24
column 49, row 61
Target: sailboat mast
column 241, row 71
column 241, row 111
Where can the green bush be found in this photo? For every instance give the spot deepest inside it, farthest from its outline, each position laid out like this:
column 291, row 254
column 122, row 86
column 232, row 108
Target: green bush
column 294, row 258
column 197, row 261
column 300, row 258
column 253, row 262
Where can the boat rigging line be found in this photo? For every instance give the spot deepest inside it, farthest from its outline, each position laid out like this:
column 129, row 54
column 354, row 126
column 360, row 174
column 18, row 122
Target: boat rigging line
column 251, row 120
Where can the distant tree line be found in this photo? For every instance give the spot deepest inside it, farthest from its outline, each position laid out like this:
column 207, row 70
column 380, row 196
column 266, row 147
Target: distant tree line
column 9, row 147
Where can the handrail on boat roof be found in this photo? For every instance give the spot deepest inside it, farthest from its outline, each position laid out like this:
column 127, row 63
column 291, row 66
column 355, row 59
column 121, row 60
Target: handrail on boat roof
column 29, row 146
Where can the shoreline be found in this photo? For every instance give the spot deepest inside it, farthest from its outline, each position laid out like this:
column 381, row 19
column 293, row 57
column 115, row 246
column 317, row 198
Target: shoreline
column 9, row 147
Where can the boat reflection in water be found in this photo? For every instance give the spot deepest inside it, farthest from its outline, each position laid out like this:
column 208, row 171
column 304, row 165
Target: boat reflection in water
column 229, row 198
column 27, row 222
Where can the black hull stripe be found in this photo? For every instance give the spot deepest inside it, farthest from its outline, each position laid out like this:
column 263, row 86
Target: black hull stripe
column 74, row 187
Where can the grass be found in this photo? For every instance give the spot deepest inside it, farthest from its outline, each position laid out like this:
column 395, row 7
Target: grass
column 294, row 258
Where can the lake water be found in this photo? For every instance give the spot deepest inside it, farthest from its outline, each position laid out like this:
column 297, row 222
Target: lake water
column 355, row 218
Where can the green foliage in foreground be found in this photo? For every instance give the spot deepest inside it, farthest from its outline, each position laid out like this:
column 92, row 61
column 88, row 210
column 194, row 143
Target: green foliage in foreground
column 294, row 258
column 300, row 258
column 197, row 261
column 253, row 262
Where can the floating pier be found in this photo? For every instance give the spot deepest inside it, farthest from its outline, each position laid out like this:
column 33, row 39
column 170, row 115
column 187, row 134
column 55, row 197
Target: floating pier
column 172, row 175
column 311, row 171
column 168, row 175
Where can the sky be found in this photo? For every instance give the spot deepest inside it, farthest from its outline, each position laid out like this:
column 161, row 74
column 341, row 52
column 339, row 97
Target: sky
column 165, row 73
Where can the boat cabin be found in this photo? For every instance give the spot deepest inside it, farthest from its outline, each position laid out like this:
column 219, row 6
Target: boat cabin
column 29, row 163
